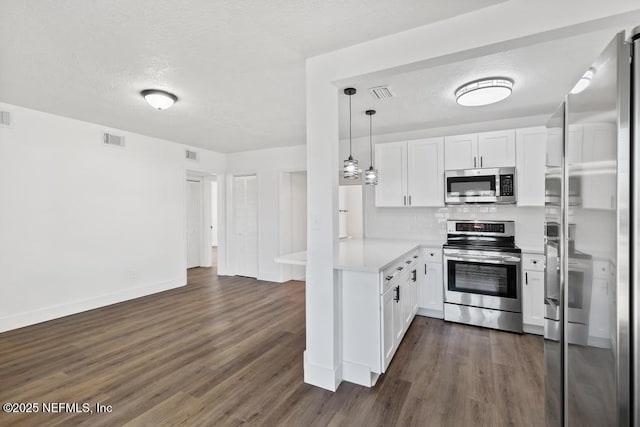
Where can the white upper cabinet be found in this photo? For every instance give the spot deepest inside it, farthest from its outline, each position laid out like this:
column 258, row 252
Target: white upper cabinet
column 391, row 160
column 531, row 150
column 497, row 149
column 461, row 151
column 411, row 173
column 480, row 150
column 425, row 172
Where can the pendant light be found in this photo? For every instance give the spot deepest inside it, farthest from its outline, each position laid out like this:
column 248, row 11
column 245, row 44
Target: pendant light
column 371, row 174
column 350, row 168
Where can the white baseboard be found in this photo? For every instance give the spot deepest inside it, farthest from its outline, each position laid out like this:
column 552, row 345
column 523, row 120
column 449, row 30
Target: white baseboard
column 430, row 313
column 533, row 329
column 320, row 376
column 359, row 374
column 21, row 320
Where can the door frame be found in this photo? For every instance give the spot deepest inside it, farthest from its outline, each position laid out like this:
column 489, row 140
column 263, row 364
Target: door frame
column 205, row 232
column 198, row 180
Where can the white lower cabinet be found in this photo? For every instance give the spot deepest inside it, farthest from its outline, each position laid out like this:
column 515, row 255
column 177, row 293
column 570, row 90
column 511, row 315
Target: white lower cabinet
column 533, row 293
column 430, row 284
column 388, row 332
column 377, row 310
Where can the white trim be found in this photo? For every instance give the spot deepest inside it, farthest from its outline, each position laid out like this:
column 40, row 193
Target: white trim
column 49, row 313
column 321, row 376
column 427, row 312
column 532, row 329
column 359, row 374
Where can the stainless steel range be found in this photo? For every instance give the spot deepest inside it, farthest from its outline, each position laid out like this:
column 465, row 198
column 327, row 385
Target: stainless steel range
column 482, row 277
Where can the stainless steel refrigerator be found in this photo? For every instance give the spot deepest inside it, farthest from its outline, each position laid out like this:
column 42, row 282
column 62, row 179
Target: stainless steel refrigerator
column 591, row 245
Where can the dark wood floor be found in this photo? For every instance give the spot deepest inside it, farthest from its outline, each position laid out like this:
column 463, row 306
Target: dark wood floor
column 228, row 351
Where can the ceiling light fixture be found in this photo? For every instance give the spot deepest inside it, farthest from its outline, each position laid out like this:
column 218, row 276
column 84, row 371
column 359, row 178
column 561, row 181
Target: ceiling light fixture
column 584, row 81
column 350, row 168
column 371, row 174
column 484, row 91
column 159, row 99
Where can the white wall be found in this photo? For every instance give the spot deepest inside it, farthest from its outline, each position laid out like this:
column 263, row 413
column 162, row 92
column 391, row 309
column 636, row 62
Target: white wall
column 268, row 165
column 83, row 224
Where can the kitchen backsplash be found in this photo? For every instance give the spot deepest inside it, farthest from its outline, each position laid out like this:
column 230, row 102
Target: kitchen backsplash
column 429, row 224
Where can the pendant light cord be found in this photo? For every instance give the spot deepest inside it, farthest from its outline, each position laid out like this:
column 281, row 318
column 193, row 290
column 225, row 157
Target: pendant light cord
column 371, row 139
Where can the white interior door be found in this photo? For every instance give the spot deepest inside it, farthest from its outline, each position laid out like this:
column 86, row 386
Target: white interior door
column 245, row 213
column 194, row 223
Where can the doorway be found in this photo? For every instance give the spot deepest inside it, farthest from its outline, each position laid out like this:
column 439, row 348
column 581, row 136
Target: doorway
column 194, row 222
column 214, row 222
column 293, row 220
column 350, row 212
column 245, row 225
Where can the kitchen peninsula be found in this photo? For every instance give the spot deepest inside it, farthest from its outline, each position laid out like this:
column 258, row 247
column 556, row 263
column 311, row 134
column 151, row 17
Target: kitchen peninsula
column 383, row 284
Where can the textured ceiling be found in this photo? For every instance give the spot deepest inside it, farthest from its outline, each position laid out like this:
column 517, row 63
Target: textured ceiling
column 543, row 74
column 237, row 66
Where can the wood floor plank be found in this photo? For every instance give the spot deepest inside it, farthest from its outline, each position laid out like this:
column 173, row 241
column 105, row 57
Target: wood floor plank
column 228, row 351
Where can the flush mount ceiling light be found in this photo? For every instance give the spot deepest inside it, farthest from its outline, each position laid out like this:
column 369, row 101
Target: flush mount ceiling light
column 484, row 91
column 159, row 99
column 584, row 81
column 350, row 167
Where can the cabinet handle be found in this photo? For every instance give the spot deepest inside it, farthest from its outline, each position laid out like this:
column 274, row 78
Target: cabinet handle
column 409, row 200
column 405, row 200
column 480, row 161
column 526, row 278
column 474, row 162
column 425, row 269
column 415, row 276
column 396, row 298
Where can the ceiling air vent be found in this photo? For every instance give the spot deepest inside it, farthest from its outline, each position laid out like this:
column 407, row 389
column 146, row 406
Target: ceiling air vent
column 111, row 139
column 191, row 155
column 5, row 118
column 381, row 92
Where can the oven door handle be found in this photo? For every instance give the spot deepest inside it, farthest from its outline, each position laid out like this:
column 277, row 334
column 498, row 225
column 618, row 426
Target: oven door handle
column 489, row 260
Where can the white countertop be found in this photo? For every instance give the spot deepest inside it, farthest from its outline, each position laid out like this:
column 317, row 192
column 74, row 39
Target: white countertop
column 365, row 255
column 371, row 255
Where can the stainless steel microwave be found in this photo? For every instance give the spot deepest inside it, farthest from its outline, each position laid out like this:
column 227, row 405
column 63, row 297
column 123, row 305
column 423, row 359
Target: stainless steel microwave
column 497, row 185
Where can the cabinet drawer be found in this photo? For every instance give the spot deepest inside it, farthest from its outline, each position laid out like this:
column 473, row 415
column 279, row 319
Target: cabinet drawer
column 432, row 255
column 533, row 262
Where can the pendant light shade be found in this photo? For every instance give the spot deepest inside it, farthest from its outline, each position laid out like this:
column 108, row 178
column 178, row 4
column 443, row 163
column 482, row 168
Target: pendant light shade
column 371, row 174
column 350, row 167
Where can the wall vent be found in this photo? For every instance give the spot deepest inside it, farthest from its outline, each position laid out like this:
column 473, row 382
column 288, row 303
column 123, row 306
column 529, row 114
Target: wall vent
column 381, row 92
column 5, row 118
column 191, row 155
column 111, row 139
